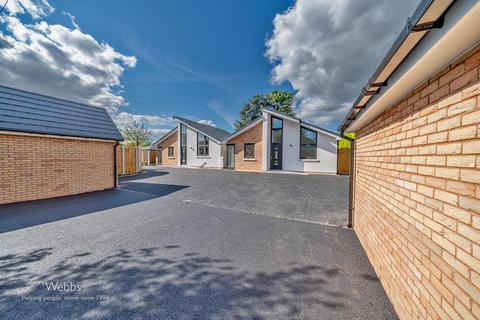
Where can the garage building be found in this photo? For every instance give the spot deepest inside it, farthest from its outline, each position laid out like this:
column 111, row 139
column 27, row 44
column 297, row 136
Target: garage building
column 416, row 166
column 51, row 147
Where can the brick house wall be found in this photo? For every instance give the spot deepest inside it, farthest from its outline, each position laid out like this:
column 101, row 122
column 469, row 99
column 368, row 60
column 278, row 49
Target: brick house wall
column 253, row 135
column 34, row 167
column 417, row 195
column 169, row 142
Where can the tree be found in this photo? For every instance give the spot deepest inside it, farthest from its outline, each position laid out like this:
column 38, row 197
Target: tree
column 137, row 135
column 280, row 101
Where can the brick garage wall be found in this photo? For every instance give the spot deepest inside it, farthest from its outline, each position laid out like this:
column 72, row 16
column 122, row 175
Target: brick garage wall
column 417, row 196
column 34, row 168
column 253, row 135
column 170, row 142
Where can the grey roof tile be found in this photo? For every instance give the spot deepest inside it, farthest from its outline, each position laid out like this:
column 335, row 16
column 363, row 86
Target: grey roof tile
column 35, row 113
column 213, row 132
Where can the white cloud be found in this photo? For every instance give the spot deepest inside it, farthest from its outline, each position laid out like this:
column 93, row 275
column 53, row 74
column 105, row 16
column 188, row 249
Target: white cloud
column 122, row 119
column 157, row 133
column 55, row 60
column 125, row 118
column 328, row 49
column 208, row 123
column 36, row 9
column 72, row 19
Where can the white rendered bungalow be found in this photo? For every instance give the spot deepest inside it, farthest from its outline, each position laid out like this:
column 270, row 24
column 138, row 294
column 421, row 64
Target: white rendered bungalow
column 200, row 145
column 280, row 142
column 273, row 142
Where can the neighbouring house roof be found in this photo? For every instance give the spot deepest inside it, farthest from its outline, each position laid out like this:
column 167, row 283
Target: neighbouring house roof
column 23, row 111
column 303, row 123
column 164, row 137
column 438, row 32
column 213, row 132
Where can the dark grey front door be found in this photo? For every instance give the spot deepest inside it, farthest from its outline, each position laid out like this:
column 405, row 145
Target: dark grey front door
column 276, row 156
column 183, row 155
column 230, row 156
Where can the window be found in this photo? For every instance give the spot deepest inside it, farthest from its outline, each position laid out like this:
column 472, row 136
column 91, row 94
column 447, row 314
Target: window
column 277, row 123
column 277, row 130
column 183, row 144
column 202, row 144
column 170, row 152
column 308, row 144
column 249, row 151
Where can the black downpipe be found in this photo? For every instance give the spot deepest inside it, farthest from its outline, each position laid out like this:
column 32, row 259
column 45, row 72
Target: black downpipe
column 351, row 207
column 115, row 173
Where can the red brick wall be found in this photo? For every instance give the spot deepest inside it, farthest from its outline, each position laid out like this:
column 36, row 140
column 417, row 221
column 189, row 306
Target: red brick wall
column 253, row 135
column 417, row 196
column 170, row 142
column 34, row 168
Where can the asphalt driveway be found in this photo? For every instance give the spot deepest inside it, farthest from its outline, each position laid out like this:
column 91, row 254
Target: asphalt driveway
column 312, row 198
column 163, row 252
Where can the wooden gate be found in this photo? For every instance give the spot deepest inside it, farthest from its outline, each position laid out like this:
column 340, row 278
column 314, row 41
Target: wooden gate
column 343, row 161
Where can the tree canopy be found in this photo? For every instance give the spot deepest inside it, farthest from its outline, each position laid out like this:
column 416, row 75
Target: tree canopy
column 136, row 134
column 280, row 101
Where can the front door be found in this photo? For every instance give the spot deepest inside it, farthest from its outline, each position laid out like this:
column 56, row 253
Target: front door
column 183, row 155
column 276, row 156
column 230, row 156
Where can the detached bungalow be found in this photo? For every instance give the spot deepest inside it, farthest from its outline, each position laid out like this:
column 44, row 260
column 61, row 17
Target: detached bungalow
column 273, row 142
column 200, row 145
column 415, row 200
column 168, row 148
column 280, row 142
column 52, row 147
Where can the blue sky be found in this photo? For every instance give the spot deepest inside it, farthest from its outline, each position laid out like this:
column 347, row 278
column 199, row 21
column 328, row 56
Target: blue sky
column 146, row 61
column 193, row 60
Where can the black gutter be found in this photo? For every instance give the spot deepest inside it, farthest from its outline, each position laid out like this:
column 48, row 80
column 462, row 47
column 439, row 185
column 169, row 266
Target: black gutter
column 413, row 25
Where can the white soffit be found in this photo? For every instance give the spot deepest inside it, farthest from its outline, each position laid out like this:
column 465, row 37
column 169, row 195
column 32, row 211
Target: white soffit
column 460, row 33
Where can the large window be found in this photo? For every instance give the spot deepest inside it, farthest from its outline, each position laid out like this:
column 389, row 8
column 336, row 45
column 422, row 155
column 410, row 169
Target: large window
column 277, row 130
column 183, row 144
column 171, row 153
column 249, row 151
column 308, row 143
column 202, row 144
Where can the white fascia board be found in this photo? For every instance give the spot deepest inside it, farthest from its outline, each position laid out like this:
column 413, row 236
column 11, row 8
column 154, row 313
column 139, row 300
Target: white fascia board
column 244, row 129
column 217, row 141
column 281, row 115
column 320, row 130
column 300, row 122
column 165, row 137
column 437, row 50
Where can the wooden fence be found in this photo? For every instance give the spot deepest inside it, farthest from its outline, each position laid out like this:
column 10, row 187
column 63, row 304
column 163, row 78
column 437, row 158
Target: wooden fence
column 148, row 157
column 343, row 161
column 131, row 159
column 128, row 160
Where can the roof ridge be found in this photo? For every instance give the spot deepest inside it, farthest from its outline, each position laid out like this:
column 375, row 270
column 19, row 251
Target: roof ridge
column 218, row 134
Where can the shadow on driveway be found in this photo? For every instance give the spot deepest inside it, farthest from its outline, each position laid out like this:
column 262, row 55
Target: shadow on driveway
column 146, row 175
column 145, row 283
column 26, row 214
